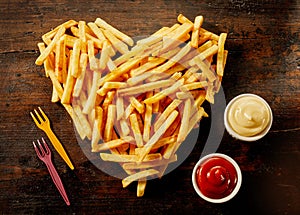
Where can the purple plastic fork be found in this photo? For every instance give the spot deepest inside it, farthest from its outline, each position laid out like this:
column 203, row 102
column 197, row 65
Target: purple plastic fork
column 44, row 154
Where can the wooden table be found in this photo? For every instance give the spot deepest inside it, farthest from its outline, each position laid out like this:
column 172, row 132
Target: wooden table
column 263, row 44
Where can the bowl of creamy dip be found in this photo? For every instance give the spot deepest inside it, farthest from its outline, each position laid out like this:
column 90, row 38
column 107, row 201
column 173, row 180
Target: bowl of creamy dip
column 248, row 117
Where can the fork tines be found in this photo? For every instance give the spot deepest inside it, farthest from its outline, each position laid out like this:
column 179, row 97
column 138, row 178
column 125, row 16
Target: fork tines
column 40, row 118
column 41, row 150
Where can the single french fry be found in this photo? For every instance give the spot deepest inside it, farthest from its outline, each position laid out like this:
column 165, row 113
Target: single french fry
column 93, row 93
column 64, row 59
column 120, row 107
column 225, row 57
column 172, row 106
column 148, row 164
column 208, row 34
column 112, row 144
column 182, row 19
column 136, row 130
column 156, row 106
column 91, row 55
column 42, row 47
column 53, row 32
column 80, row 79
column 54, row 97
column 88, row 81
column 58, row 60
column 143, row 77
column 210, row 93
column 118, row 158
column 145, row 87
column 134, row 177
column 193, row 86
column 97, row 129
column 195, row 33
column 77, row 122
column 101, row 23
column 109, row 123
column 162, row 94
column 220, row 56
column 50, row 72
column 82, row 35
column 111, row 65
column 39, row 61
column 91, row 116
column 183, row 131
column 125, row 130
column 67, row 93
column 104, row 55
column 147, row 119
column 141, row 187
column 74, row 61
column 97, row 31
column 205, row 46
column 128, row 110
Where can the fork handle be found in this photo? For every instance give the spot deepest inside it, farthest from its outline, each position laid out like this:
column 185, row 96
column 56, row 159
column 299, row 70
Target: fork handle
column 57, row 181
column 58, row 147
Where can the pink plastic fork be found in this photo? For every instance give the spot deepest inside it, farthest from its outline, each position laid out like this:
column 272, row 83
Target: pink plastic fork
column 44, row 154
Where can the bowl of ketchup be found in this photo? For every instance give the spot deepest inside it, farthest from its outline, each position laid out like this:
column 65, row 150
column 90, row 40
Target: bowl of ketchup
column 216, row 178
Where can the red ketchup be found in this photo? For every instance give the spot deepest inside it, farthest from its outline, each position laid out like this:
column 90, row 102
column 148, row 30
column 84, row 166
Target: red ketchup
column 216, row 177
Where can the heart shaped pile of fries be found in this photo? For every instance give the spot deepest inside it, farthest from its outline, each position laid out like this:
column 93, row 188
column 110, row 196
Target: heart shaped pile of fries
column 135, row 101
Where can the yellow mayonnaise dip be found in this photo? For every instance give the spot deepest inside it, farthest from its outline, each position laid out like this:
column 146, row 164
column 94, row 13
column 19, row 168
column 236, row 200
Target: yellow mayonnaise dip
column 248, row 116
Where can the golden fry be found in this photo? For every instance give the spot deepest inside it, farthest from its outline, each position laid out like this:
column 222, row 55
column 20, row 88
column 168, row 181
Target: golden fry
column 220, row 56
column 134, row 177
column 112, row 144
column 162, row 94
column 136, row 130
column 195, row 34
column 39, row 61
column 109, row 123
column 80, row 79
column 175, row 103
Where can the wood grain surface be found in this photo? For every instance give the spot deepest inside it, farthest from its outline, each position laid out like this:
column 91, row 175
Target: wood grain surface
column 264, row 58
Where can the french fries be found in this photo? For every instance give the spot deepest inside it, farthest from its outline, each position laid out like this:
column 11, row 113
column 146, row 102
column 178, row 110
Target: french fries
column 135, row 101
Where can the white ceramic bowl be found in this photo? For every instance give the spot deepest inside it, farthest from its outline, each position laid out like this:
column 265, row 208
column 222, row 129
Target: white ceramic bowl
column 237, row 186
column 235, row 134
